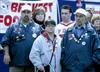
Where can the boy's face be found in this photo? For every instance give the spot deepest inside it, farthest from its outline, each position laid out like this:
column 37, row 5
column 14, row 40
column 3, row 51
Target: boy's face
column 50, row 28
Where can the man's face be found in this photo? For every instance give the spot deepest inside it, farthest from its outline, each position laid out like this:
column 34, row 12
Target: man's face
column 26, row 16
column 65, row 14
column 89, row 16
column 80, row 19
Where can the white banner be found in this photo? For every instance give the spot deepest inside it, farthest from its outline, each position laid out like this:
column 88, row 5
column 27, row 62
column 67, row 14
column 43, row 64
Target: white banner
column 92, row 0
column 10, row 12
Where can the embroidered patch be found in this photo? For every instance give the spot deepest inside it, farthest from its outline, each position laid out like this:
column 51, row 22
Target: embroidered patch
column 17, row 30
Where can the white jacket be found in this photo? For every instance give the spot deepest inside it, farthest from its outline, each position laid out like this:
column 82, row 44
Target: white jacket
column 41, row 53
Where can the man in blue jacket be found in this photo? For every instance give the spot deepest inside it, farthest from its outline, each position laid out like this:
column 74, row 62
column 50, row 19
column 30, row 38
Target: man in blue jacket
column 18, row 40
column 80, row 46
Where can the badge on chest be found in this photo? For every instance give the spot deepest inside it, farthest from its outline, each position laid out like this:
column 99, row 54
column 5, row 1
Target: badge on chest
column 80, row 40
column 34, row 35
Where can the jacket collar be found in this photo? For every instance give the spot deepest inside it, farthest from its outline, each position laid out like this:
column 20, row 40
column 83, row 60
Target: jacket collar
column 46, row 35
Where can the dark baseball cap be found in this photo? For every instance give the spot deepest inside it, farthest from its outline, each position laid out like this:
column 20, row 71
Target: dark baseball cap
column 50, row 22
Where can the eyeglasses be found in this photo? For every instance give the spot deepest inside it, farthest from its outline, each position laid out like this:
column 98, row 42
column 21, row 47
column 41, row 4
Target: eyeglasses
column 26, row 11
column 79, row 16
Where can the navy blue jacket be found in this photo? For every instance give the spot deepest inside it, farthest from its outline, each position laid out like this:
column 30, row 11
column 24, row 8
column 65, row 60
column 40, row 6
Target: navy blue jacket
column 98, row 31
column 79, row 53
column 97, row 65
column 20, row 39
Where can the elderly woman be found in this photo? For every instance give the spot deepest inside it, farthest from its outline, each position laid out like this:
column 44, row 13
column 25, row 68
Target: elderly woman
column 96, row 24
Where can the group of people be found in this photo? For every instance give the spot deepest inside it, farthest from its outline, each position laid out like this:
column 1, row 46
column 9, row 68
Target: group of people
column 34, row 44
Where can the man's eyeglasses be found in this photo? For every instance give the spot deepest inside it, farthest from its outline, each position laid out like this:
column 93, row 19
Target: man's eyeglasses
column 79, row 16
column 26, row 11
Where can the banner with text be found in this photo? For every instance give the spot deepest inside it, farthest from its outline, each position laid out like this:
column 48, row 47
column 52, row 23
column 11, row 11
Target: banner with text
column 10, row 12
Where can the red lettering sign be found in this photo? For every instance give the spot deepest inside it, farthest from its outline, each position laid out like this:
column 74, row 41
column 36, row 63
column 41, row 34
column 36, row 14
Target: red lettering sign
column 8, row 19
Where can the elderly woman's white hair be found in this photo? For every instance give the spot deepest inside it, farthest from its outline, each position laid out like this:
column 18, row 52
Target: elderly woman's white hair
column 95, row 17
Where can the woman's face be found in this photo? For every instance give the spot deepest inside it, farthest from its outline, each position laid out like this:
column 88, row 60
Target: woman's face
column 40, row 16
column 97, row 23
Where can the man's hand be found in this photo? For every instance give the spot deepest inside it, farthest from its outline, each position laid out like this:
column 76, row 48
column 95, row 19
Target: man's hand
column 6, row 59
